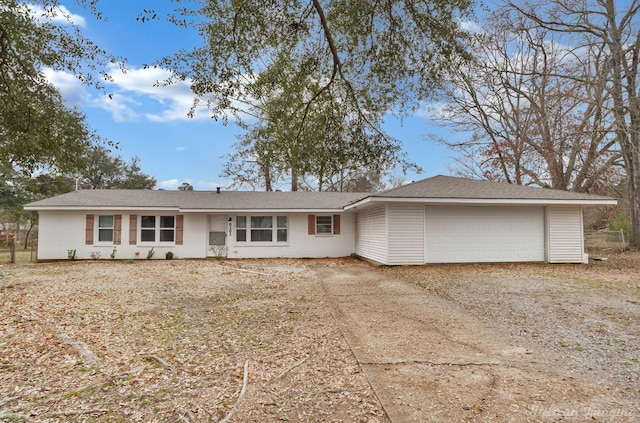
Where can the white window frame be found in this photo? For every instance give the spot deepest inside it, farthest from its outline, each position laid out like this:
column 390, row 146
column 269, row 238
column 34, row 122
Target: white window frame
column 276, row 228
column 324, row 225
column 157, row 230
column 98, row 228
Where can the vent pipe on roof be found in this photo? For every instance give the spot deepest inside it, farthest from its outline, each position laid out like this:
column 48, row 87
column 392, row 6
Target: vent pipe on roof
column 217, row 190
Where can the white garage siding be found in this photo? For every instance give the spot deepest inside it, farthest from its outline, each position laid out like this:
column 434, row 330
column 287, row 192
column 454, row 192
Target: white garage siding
column 565, row 234
column 405, row 234
column 371, row 234
column 484, row 234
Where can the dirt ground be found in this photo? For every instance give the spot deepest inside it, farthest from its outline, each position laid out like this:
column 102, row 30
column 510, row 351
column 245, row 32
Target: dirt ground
column 509, row 343
column 322, row 340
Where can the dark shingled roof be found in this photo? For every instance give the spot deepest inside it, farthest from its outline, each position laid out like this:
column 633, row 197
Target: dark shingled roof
column 198, row 200
column 433, row 189
column 449, row 187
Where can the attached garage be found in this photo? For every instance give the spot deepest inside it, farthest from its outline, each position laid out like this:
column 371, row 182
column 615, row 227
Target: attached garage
column 454, row 220
column 484, row 234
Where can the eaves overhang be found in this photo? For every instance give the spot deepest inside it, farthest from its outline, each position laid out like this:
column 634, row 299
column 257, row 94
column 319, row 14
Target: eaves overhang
column 111, row 208
column 271, row 210
column 482, row 201
column 184, row 210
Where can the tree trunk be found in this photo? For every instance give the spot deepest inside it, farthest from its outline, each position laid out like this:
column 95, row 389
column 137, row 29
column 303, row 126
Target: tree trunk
column 26, row 237
column 634, row 207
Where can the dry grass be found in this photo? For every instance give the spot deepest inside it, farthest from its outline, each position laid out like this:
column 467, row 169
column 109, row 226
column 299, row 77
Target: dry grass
column 166, row 341
column 170, row 339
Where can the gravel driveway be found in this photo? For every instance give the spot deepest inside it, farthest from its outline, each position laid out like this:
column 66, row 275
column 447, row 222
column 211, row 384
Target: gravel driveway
column 495, row 342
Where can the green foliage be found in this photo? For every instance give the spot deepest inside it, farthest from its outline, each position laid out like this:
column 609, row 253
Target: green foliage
column 185, row 187
column 113, row 253
column 37, row 130
column 381, row 53
column 95, row 255
column 620, row 222
column 103, row 170
column 150, row 254
column 72, row 254
column 320, row 76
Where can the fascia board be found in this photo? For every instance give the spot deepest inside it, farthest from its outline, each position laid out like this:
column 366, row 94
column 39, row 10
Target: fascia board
column 181, row 210
column 237, row 211
column 92, row 208
column 481, row 201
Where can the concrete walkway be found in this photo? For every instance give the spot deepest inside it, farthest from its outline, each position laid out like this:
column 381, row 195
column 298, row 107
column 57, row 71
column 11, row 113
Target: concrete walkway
column 426, row 359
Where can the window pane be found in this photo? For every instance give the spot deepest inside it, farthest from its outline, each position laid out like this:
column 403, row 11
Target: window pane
column 241, row 221
column 148, row 235
column 105, row 221
column 282, row 221
column 261, row 235
column 323, row 224
column 166, row 235
column 241, row 235
column 167, row 221
column 282, row 235
column 261, row 222
column 148, row 221
column 105, row 235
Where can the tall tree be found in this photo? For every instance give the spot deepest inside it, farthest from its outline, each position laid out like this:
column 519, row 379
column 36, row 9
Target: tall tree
column 612, row 27
column 532, row 111
column 16, row 190
column 37, row 130
column 364, row 58
column 323, row 146
column 103, row 170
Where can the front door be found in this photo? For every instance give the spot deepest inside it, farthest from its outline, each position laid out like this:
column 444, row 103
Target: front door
column 217, row 236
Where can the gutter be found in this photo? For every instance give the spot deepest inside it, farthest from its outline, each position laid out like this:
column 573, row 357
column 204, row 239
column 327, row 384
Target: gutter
column 481, row 201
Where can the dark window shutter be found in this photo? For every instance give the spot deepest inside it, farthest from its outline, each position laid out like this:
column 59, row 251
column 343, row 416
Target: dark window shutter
column 117, row 229
column 179, row 229
column 312, row 224
column 336, row 224
column 133, row 229
column 89, row 230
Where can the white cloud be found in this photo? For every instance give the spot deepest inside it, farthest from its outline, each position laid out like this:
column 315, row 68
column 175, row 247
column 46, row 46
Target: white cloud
column 176, row 99
column 59, row 15
column 169, row 184
column 180, row 148
column 69, row 86
column 130, row 96
column 138, row 93
column 470, row 26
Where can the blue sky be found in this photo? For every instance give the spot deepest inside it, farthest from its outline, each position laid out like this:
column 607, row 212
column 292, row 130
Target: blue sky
column 151, row 122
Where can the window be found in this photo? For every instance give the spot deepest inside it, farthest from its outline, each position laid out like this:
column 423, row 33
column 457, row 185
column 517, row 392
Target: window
column 157, row 228
column 282, row 228
column 324, row 225
column 105, row 228
column 241, row 228
column 261, row 229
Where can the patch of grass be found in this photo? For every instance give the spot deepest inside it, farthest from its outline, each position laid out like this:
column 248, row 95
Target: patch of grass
column 22, row 255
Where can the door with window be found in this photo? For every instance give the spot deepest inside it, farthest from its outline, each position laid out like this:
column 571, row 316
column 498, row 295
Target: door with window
column 217, row 234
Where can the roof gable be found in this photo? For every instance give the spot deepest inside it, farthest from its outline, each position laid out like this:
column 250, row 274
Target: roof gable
column 452, row 187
